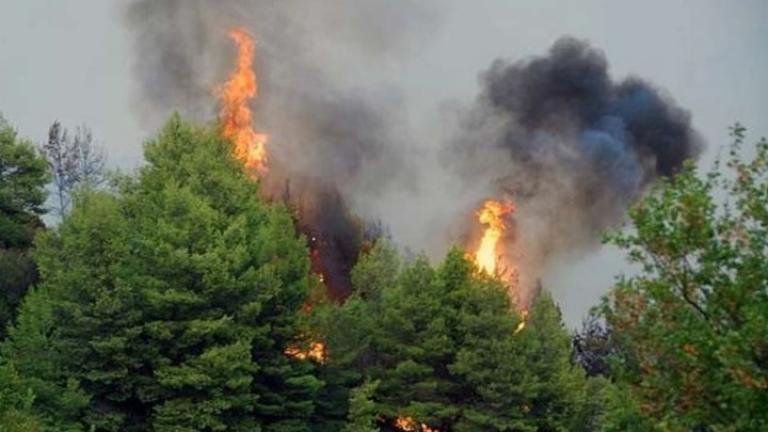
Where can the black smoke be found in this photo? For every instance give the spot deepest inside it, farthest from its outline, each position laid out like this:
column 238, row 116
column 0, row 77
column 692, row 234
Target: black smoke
column 570, row 144
column 570, row 91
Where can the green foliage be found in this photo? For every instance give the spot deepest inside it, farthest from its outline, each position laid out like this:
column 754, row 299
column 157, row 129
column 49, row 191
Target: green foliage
column 16, row 403
column 362, row 410
column 34, row 350
column 444, row 348
column 694, row 320
column 23, row 176
column 169, row 305
column 376, row 270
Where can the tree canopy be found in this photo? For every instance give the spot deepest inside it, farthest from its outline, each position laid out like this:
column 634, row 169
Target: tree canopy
column 23, row 176
column 181, row 300
column 447, row 351
column 169, row 304
column 693, row 321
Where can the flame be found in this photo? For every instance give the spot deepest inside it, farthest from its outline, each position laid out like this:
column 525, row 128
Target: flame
column 523, row 320
column 408, row 424
column 316, row 352
column 491, row 215
column 236, row 116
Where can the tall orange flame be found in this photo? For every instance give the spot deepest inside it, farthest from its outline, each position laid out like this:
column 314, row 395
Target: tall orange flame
column 236, row 115
column 491, row 215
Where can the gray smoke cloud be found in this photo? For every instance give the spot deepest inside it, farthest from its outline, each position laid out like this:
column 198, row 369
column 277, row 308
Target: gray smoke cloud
column 572, row 147
column 334, row 137
column 320, row 122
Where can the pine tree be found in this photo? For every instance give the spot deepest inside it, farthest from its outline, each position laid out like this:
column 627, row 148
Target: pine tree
column 362, row 410
column 16, row 403
column 173, row 301
column 23, row 175
column 445, row 348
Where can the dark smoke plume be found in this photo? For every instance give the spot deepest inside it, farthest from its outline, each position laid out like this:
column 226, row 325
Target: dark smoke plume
column 557, row 134
column 573, row 147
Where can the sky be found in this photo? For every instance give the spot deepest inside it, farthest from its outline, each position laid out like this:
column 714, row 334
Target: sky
column 71, row 61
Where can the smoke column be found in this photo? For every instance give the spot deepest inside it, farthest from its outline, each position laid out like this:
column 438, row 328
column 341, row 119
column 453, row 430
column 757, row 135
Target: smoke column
column 570, row 145
column 331, row 141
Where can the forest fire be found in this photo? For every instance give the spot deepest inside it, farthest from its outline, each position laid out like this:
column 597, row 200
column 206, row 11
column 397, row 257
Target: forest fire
column 316, row 229
column 236, row 115
column 249, row 146
column 319, row 211
column 491, row 215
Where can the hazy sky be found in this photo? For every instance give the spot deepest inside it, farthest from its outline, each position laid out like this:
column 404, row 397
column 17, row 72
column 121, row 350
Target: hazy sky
column 71, row 61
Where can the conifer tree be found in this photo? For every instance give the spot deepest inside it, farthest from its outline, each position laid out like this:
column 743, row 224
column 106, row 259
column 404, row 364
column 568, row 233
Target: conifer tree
column 16, row 403
column 23, row 175
column 170, row 304
column 445, row 348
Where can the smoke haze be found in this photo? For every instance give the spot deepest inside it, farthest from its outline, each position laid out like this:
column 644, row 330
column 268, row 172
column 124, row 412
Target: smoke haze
column 571, row 146
column 319, row 122
column 330, row 140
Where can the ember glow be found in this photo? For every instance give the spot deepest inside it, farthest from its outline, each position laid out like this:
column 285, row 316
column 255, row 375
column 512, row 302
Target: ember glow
column 236, row 115
column 492, row 215
column 315, row 352
column 408, row 424
column 523, row 319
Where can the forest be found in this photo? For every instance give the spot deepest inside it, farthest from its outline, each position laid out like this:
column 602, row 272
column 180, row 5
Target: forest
column 178, row 298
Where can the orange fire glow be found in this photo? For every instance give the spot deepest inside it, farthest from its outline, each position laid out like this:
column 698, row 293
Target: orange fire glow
column 523, row 320
column 315, row 352
column 408, row 424
column 236, row 115
column 491, row 215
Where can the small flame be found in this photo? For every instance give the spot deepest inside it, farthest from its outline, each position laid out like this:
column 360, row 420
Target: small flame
column 236, row 115
column 523, row 320
column 491, row 215
column 316, row 352
column 408, row 424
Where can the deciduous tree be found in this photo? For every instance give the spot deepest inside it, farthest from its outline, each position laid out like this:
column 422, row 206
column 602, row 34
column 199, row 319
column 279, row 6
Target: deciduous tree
column 693, row 322
column 74, row 160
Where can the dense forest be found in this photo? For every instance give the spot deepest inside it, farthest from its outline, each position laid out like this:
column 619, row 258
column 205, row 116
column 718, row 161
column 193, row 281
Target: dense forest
column 176, row 298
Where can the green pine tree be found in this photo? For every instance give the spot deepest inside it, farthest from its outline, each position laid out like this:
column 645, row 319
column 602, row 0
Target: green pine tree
column 171, row 303
column 444, row 347
column 362, row 410
column 16, row 403
column 23, row 176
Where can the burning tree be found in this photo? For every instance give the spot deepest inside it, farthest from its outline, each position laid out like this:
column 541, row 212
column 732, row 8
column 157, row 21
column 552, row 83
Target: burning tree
column 492, row 216
column 445, row 347
column 235, row 95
